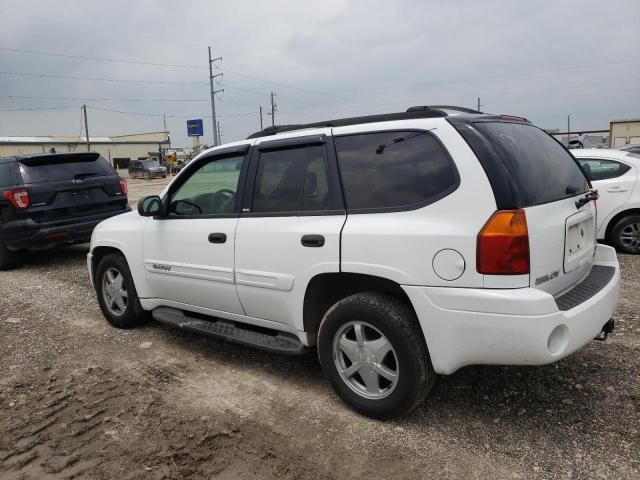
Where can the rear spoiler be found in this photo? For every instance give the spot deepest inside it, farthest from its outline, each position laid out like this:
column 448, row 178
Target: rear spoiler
column 58, row 157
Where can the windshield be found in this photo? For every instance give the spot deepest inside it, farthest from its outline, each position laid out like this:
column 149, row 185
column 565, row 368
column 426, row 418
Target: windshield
column 150, row 163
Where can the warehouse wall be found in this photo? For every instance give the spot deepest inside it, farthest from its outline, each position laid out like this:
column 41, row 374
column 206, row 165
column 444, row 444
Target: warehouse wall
column 625, row 132
column 107, row 150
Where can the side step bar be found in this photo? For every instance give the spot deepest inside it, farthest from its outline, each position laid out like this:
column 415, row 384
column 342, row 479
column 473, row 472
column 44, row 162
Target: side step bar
column 280, row 342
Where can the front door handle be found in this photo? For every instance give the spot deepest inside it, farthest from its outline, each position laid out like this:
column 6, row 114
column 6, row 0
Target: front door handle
column 312, row 241
column 217, row 237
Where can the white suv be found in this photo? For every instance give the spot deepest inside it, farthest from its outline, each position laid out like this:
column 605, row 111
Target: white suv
column 615, row 174
column 401, row 246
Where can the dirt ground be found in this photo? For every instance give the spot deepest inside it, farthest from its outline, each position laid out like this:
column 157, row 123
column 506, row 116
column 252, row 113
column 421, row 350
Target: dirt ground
column 79, row 399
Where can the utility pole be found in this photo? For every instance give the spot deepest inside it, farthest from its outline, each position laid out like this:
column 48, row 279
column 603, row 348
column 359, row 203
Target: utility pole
column 479, row 104
column 86, row 127
column 568, row 129
column 213, row 97
column 219, row 134
column 261, row 127
column 164, row 122
column 274, row 109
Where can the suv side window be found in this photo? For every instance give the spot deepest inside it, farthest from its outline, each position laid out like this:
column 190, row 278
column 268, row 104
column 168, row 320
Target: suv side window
column 210, row 190
column 292, row 180
column 394, row 170
column 598, row 169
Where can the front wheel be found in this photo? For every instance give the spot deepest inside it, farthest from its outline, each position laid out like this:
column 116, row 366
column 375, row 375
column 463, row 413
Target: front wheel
column 625, row 235
column 117, row 294
column 373, row 352
column 146, row 175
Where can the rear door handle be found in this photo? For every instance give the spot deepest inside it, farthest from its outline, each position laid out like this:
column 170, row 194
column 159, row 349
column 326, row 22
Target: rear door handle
column 312, row 241
column 217, row 237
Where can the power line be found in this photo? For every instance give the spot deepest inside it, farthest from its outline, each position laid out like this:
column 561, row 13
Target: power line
column 155, row 64
column 106, row 99
column 35, row 109
column 70, row 77
column 98, row 59
column 148, row 114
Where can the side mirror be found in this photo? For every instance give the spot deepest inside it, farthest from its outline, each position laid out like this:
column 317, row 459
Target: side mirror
column 150, row 206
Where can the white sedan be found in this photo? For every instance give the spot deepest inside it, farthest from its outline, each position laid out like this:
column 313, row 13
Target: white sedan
column 615, row 174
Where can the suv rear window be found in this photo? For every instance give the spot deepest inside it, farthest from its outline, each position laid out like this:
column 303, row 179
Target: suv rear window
column 524, row 164
column 393, row 170
column 63, row 167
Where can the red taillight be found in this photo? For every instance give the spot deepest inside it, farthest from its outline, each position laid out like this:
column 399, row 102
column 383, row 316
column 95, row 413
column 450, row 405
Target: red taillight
column 123, row 186
column 503, row 244
column 19, row 197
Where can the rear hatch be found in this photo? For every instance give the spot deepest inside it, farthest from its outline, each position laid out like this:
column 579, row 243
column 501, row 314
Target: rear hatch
column 64, row 186
column 529, row 170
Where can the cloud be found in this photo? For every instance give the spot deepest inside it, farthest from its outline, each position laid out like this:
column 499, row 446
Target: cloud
column 327, row 59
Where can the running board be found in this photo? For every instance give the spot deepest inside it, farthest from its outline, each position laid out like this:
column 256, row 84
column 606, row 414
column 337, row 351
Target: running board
column 280, row 342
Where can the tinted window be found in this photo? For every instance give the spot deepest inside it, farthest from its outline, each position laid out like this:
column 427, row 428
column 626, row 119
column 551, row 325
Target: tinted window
column 525, row 165
column 209, row 190
column 393, row 169
column 597, row 169
column 63, row 167
column 316, row 185
column 8, row 174
column 292, row 180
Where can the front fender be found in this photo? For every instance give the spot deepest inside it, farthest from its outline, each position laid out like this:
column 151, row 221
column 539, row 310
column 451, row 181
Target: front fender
column 124, row 233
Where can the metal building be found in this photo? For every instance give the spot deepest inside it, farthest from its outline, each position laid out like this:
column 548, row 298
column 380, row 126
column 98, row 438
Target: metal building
column 120, row 148
column 624, row 132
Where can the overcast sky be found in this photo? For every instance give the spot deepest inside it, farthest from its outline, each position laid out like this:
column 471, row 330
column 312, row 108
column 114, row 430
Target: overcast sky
column 323, row 59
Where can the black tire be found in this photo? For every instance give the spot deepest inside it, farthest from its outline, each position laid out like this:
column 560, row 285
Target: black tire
column 133, row 315
column 8, row 259
column 625, row 234
column 398, row 323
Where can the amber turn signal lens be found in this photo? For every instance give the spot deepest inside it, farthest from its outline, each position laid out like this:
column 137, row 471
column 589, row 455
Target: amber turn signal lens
column 503, row 244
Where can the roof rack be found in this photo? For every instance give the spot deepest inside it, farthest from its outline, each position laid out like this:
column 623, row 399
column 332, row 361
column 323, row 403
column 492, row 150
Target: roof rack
column 423, row 111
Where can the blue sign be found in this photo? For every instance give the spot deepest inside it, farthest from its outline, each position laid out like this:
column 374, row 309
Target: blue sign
column 194, row 128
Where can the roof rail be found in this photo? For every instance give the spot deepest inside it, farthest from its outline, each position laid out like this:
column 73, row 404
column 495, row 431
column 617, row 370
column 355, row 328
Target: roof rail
column 424, row 111
column 385, row 117
column 453, row 108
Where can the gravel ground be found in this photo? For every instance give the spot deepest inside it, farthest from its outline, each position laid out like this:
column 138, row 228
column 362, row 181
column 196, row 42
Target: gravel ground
column 81, row 399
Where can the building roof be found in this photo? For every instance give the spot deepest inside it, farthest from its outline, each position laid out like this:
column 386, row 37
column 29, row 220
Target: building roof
column 147, row 137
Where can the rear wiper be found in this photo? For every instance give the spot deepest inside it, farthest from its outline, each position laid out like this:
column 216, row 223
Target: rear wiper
column 381, row 148
column 592, row 195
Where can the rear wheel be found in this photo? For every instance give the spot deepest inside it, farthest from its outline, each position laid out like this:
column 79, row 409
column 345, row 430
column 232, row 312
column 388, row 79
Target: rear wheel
column 117, row 294
column 625, row 235
column 373, row 352
column 8, row 259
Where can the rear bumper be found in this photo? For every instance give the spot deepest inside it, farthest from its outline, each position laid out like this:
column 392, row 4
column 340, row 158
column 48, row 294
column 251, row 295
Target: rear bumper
column 26, row 234
column 509, row 326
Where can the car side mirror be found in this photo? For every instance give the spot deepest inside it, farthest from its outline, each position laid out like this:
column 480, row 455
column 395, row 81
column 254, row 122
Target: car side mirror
column 150, row 206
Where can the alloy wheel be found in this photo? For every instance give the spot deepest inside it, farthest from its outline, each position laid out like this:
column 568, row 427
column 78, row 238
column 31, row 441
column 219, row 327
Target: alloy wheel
column 365, row 360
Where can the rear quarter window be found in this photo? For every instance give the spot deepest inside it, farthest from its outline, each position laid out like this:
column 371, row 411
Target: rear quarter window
column 524, row 164
column 394, row 170
column 8, row 174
